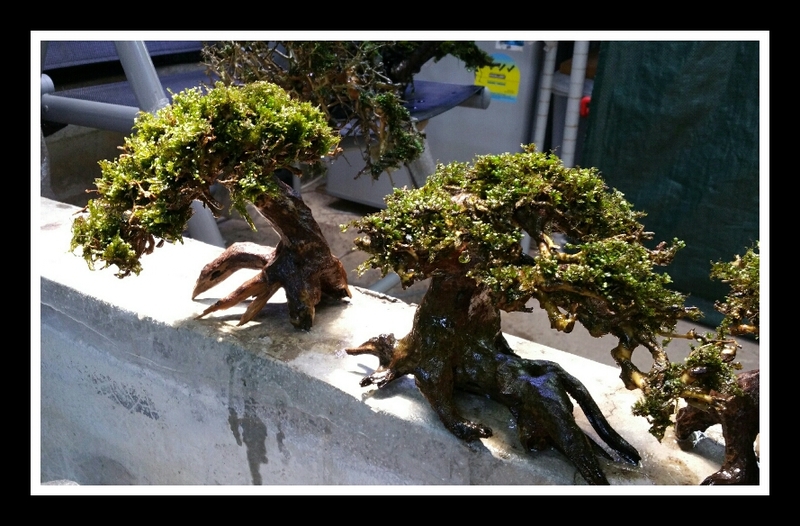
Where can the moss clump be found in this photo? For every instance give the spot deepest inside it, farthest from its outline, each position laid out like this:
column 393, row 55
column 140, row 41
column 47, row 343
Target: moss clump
column 603, row 277
column 359, row 85
column 595, row 265
column 741, row 307
column 707, row 378
column 235, row 135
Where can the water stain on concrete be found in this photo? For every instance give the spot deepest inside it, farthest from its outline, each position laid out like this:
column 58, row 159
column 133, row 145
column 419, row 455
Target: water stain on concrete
column 103, row 470
column 125, row 396
column 248, row 429
column 281, row 436
column 253, row 435
column 161, row 348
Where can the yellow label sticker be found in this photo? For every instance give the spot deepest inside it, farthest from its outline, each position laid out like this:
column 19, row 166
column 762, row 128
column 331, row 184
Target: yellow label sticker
column 502, row 79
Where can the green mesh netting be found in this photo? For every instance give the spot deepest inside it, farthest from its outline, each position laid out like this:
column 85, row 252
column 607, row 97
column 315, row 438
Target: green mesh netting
column 674, row 126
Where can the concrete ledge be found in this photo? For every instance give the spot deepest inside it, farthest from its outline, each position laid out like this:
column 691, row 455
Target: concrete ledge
column 135, row 390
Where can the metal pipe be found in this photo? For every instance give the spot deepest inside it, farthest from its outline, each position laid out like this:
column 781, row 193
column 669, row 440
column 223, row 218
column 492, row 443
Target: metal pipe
column 47, row 84
column 480, row 100
column 421, row 168
column 386, row 283
column 203, row 227
column 580, row 57
column 142, row 75
column 542, row 111
column 545, row 91
column 99, row 115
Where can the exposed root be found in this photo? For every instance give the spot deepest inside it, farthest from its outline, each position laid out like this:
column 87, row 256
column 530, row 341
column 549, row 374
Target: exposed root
column 301, row 264
column 456, row 343
column 740, row 426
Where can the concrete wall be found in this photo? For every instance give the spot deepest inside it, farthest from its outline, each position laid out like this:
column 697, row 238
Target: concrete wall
column 72, row 159
column 135, row 390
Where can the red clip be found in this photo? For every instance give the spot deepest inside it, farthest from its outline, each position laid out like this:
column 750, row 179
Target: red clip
column 585, row 106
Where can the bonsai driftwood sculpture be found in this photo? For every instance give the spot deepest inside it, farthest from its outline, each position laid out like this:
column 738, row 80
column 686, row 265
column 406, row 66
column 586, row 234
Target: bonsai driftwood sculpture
column 359, row 85
column 238, row 137
column 463, row 229
column 456, row 343
column 738, row 413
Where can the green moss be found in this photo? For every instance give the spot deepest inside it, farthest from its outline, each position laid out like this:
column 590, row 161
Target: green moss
column 709, row 368
column 100, row 236
column 703, row 373
column 741, row 307
column 359, row 85
column 235, row 135
column 480, row 212
column 659, row 403
column 469, row 218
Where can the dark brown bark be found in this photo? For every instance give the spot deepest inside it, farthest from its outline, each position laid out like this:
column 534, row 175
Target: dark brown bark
column 301, row 263
column 456, row 343
column 740, row 427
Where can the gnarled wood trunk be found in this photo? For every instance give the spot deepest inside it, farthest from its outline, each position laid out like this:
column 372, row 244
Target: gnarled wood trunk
column 456, row 343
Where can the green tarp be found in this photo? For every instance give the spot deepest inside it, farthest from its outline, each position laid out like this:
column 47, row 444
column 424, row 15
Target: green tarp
column 674, row 126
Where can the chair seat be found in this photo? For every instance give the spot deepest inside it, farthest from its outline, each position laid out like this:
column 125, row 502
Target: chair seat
column 121, row 92
column 427, row 99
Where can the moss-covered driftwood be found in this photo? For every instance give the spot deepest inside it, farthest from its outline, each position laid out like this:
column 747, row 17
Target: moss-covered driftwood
column 595, row 265
column 236, row 136
column 359, row 85
column 456, row 343
column 738, row 412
